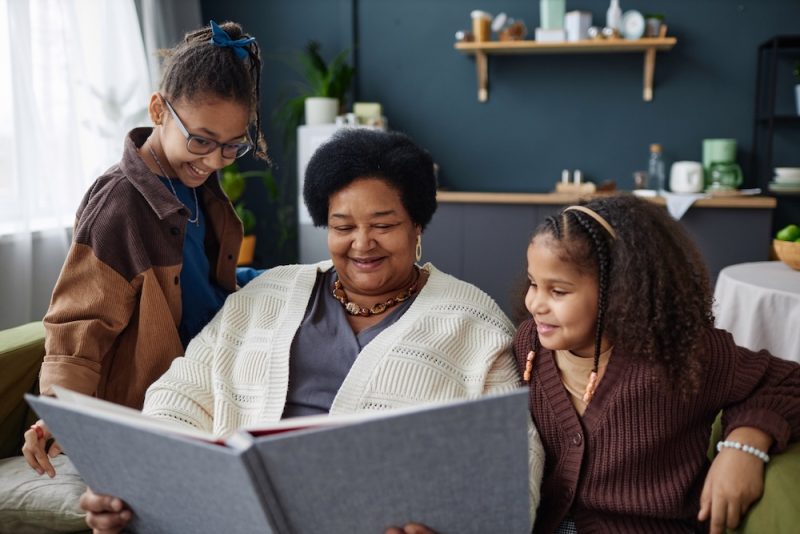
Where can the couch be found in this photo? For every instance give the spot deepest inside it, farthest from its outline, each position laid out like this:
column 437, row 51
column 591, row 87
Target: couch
column 29, row 503
column 22, row 350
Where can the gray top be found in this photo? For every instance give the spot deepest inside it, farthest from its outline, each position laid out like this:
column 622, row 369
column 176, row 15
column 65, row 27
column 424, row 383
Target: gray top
column 325, row 347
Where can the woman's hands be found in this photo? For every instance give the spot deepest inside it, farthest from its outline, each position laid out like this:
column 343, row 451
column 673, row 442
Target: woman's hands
column 34, row 449
column 105, row 514
column 734, row 482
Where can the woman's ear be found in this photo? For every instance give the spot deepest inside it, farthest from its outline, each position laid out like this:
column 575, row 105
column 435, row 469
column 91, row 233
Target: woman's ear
column 156, row 109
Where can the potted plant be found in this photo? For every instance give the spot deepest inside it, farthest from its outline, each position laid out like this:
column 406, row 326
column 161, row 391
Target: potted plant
column 233, row 183
column 323, row 89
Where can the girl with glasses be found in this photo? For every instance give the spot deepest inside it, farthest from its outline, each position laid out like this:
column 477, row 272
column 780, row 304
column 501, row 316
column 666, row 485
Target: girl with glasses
column 156, row 240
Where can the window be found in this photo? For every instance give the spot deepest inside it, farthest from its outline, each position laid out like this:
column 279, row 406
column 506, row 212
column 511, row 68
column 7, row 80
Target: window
column 73, row 81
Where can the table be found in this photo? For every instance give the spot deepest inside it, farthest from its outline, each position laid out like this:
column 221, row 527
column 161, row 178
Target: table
column 759, row 303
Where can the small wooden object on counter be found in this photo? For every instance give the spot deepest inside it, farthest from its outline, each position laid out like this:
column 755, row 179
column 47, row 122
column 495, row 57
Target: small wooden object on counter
column 648, row 45
column 586, row 188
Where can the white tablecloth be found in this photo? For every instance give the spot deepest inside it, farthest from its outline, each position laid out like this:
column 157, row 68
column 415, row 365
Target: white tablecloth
column 759, row 303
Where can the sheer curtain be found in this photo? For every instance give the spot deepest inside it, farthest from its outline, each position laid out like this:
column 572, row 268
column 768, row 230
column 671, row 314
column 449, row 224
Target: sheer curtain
column 73, row 80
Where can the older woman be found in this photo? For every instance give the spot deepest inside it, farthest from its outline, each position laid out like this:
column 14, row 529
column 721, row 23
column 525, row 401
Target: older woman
column 368, row 330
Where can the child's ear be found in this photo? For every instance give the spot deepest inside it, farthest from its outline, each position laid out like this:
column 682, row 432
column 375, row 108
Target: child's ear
column 156, row 109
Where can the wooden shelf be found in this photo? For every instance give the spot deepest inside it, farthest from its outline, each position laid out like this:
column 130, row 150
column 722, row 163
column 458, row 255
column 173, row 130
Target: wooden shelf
column 472, row 197
column 648, row 46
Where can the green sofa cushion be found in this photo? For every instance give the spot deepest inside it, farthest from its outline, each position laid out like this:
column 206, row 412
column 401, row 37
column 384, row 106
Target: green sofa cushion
column 777, row 511
column 779, row 508
column 21, row 353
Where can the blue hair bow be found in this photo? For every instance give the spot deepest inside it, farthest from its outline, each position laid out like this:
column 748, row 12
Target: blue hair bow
column 220, row 37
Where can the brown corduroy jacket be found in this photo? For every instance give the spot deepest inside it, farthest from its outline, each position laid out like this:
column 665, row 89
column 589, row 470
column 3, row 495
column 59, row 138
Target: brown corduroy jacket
column 636, row 461
column 112, row 325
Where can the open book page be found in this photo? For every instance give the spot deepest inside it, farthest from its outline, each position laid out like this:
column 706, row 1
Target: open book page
column 116, row 412
column 135, row 418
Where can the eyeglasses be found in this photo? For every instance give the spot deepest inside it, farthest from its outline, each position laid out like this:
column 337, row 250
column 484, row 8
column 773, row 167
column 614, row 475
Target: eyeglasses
column 201, row 146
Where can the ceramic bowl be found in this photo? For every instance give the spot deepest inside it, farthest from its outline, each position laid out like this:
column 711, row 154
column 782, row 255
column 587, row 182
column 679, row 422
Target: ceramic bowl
column 787, row 173
column 788, row 252
column 793, row 179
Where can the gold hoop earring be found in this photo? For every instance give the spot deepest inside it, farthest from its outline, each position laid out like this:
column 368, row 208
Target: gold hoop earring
column 419, row 247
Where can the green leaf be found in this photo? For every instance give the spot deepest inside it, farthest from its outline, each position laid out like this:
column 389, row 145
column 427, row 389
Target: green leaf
column 232, row 182
column 247, row 217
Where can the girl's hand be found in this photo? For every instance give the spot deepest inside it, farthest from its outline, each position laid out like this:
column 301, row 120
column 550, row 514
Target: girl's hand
column 734, row 482
column 105, row 514
column 410, row 528
column 34, row 449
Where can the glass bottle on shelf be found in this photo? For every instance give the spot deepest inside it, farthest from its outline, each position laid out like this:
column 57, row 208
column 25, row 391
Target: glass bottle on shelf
column 655, row 168
column 614, row 16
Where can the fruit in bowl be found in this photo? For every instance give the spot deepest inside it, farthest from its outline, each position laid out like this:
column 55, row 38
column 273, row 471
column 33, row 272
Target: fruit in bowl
column 787, row 245
column 790, row 232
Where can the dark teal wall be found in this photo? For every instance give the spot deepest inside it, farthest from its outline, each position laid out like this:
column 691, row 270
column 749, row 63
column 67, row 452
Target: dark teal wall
column 545, row 112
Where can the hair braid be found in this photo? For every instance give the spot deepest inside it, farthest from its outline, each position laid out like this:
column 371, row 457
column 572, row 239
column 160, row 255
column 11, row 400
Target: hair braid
column 599, row 241
column 553, row 224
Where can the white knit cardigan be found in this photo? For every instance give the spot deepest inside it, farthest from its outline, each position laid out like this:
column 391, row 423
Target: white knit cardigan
column 453, row 342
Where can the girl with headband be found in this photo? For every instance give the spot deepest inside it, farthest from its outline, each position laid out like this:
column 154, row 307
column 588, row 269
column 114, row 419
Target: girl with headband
column 627, row 373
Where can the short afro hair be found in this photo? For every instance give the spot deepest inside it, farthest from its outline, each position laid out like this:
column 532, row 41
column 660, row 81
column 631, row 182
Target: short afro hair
column 354, row 153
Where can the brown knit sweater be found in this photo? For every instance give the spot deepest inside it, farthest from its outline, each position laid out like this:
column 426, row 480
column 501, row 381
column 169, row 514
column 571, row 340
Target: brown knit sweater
column 112, row 325
column 636, row 461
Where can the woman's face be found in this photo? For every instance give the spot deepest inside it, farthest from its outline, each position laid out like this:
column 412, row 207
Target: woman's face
column 216, row 119
column 371, row 238
column 561, row 298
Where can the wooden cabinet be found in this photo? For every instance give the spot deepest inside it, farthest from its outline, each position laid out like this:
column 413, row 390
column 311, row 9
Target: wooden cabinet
column 647, row 45
column 482, row 237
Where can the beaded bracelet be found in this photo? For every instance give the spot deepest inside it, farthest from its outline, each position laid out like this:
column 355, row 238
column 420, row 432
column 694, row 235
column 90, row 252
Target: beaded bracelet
column 761, row 455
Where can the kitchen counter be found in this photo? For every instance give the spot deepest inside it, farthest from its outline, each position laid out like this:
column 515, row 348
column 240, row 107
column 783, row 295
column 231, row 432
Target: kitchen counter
column 561, row 199
column 482, row 237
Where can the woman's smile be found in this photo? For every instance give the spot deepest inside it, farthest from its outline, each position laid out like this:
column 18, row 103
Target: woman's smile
column 368, row 264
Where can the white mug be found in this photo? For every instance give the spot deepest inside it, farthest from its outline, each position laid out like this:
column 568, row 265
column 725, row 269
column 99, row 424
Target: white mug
column 686, row 177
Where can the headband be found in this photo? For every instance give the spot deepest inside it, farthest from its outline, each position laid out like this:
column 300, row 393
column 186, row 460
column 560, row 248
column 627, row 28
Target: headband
column 220, row 37
column 594, row 215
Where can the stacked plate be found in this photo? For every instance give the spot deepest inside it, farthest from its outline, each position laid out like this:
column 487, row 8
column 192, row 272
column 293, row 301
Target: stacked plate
column 787, row 180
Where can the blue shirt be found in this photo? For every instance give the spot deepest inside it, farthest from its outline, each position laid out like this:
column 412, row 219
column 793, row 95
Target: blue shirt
column 201, row 298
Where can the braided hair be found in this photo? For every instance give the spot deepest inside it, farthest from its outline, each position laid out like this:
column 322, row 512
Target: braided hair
column 654, row 297
column 587, row 245
column 197, row 67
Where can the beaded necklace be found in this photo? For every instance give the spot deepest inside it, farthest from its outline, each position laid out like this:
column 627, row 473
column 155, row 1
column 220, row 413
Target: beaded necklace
column 337, row 290
column 196, row 219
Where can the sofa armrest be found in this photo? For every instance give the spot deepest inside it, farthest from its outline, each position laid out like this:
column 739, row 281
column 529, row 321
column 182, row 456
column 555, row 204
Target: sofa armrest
column 777, row 510
column 21, row 354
